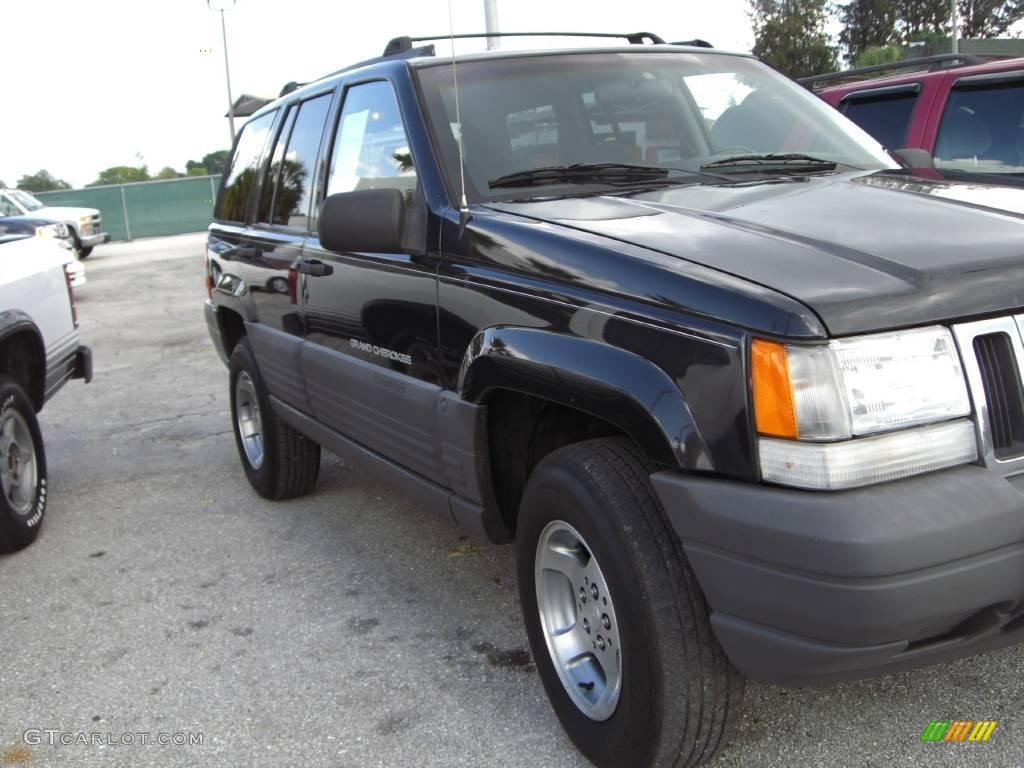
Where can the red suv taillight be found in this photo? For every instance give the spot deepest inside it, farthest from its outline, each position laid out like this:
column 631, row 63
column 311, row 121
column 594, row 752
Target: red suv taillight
column 71, row 296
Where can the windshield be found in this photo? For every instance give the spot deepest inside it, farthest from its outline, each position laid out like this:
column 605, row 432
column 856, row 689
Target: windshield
column 26, row 200
column 671, row 110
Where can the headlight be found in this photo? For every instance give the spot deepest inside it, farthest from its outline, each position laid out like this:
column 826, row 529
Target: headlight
column 857, row 387
column 47, row 230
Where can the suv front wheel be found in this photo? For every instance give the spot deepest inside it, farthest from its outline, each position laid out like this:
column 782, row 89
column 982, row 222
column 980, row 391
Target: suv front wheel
column 279, row 462
column 617, row 623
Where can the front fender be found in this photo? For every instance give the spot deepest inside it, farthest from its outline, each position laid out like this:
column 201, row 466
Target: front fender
column 610, row 383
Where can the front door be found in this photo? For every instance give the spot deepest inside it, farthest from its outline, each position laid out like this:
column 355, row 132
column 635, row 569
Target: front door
column 370, row 319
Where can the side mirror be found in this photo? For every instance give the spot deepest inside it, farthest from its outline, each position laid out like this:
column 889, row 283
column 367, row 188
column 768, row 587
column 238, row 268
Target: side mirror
column 366, row 220
column 914, row 158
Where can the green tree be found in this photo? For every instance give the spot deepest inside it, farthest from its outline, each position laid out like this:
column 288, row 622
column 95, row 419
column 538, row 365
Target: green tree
column 216, row 162
column 168, row 173
column 866, row 24
column 41, row 181
column 920, row 19
column 196, row 170
column 790, row 35
column 879, row 54
column 988, row 18
column 121, row 174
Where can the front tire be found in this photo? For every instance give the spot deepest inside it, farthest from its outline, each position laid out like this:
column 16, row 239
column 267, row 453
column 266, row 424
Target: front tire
column 279, row 462
column 617, row 623
column 80, row 251
column 22, row 469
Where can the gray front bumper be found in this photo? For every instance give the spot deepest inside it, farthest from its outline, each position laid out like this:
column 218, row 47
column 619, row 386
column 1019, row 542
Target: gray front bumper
column 89, row 241
column 810, row 587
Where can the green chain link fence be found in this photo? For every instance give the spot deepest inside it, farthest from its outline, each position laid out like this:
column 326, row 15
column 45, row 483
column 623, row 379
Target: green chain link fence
column 148, row 208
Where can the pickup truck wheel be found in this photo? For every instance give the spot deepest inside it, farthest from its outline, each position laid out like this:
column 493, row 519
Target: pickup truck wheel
column 280, row 462
column 77, row 244
column 617, row 623
column 22, row 469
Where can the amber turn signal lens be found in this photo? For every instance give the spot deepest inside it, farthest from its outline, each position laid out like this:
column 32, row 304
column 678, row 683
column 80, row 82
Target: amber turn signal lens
column 774, row 414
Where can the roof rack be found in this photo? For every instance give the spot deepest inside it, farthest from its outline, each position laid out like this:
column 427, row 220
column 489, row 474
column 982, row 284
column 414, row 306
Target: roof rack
column 695, row 43
column 401, row 44
column 929, row 63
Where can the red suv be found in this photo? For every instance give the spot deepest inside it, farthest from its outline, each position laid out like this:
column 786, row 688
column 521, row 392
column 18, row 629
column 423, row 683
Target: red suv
column 967, row 113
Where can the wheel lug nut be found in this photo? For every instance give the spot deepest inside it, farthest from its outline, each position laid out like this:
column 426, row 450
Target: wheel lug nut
column 606, row 621
column 600, row 643
column 586, row 626
column 583, row 595
column 593, row 591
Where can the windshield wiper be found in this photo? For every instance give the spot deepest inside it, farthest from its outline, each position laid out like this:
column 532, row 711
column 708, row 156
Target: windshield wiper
column 791, row 162
column 581, row 173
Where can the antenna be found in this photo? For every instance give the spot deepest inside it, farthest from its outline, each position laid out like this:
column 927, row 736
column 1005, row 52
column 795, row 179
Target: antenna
column 463, row 206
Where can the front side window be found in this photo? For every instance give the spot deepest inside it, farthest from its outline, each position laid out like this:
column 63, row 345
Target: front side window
column 982, row 132
column 677, row 111
column 371, row 148
column 295, row 176
column 887, row 118
column 8, row 208
column 240, row 178
column 27, row 201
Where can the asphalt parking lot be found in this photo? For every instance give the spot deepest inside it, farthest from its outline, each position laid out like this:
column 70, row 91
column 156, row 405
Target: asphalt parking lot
column 347, row 628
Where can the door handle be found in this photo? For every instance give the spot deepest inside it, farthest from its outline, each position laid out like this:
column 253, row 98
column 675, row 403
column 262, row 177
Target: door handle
column 313, row 267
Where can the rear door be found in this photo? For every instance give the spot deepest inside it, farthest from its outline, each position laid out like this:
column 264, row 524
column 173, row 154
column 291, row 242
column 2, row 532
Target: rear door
column 281, row 226
column 371, row 319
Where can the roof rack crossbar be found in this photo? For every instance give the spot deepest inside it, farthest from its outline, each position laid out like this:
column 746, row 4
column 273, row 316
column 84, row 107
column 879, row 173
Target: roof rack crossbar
column 940, row 61
column 401, row 44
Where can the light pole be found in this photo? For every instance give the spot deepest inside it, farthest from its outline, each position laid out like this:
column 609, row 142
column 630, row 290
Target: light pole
column 491, row 22
column 956, row 30
column 223, row 5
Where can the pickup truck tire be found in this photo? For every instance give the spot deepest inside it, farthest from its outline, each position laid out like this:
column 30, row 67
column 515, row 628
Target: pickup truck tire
column 77, row 244
column 611, row 566
column 279, row 462
column 22, row 469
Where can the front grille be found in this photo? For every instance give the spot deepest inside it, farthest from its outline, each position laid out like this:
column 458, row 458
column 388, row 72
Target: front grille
column 1003, row 393
column 993, row 356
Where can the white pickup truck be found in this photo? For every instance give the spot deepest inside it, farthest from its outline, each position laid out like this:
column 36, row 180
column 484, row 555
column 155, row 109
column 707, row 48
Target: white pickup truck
column 39, row 353
column 85, row 225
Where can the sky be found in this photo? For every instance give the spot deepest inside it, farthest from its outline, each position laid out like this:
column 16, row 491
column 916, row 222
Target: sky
column 91, row 85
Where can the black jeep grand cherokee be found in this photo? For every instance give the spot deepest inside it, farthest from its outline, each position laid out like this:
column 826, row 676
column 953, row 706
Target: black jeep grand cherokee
column 746, row 396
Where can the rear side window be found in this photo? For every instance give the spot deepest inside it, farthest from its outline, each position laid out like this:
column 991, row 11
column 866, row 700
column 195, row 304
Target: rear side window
column 887, row 118
column 243, row 169
column 294, row 181
column 982, row 130
column 273, row 173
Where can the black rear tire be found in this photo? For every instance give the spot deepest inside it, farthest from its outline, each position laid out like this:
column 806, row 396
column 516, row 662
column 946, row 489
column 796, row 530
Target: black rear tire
column 21, row 510
column 290, row 463
column 679, row 694
column 83, row 253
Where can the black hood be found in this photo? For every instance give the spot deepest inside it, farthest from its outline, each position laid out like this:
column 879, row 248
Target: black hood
column 865, row 252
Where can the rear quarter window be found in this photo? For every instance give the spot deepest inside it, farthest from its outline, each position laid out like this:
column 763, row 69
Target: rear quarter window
column 243, row 169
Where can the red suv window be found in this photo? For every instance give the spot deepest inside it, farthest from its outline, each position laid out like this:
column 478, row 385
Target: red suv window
column 982, row 128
